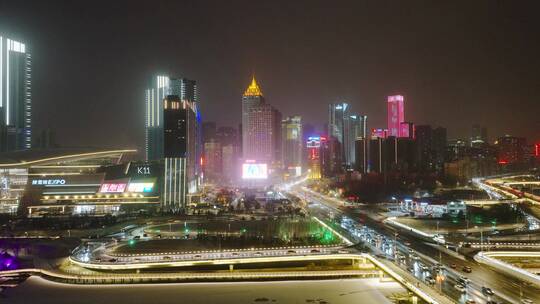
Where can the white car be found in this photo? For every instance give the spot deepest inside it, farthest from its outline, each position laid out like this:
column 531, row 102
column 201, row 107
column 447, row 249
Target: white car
column 460, row 288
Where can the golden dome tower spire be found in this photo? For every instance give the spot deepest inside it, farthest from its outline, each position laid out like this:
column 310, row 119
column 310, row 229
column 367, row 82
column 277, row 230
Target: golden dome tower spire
column 253, row 89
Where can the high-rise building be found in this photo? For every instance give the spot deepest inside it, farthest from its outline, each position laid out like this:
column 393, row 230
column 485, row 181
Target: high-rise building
column 213, row 160
column 511, row 151
column 391, row 154
column 361, row 151
column 339, row 127
column 439, row 143
column 161, row 87
column 179, row 152
column 357, row 130
column 396, row 115
column 229, row 161
column 314, row 149
column 291, row 144
column 424, row 153
column 431, row 148
column 261, row 124
column 173, row 138
column 407, row 130
column 478, row 136
column 251, row 98
column 15, row 95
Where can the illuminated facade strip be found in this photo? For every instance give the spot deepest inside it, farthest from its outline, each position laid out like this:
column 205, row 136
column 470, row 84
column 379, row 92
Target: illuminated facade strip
column 66, row 157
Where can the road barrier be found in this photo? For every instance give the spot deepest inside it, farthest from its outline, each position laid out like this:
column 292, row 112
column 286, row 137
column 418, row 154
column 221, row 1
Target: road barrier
column 489, row 259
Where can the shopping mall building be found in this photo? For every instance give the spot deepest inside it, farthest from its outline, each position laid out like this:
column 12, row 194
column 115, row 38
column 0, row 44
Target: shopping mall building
column 78, row 182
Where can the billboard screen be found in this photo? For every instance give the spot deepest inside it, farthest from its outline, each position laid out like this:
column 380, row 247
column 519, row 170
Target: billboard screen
column 254, row 171
column 112, row 187
column 141, row 187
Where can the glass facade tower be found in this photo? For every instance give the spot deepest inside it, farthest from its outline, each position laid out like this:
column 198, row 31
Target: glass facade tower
column 15, row 96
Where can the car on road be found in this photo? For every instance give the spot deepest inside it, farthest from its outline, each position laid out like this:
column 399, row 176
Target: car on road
column 491, row 302
column 470, row 301
column 487, row 291
column 453, row 266
column 429, row 280
column 460, row 288
column 527, row 301
column 463, row 280
column 467, row 269
column 167, row 258
column 292, row 252
column 315, row 251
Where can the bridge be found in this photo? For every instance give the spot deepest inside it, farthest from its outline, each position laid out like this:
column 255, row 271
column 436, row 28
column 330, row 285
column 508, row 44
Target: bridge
column 357, row 259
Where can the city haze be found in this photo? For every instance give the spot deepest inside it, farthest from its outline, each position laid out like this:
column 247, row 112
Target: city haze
column 457, row 64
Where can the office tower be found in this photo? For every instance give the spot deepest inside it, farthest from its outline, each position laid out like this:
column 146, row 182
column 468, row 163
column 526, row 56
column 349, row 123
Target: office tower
column 213, row 160
column 376, row 154
column 15, row 95
column 161, row 87
column 180, row 140
column 315, row 160
column 229, row 139
column 407, row 130
column 424, row 136
column 291, row 144
column 456, row 149
column 396, row 115
column 361, row 154
column 338, row 128
column 229, row 161
column 333, row 157
column 251, row 98
column 262, row 138
column 478, row 136
column 439, row 143
column 357, row 130
column 511, row 150
column 261, row 124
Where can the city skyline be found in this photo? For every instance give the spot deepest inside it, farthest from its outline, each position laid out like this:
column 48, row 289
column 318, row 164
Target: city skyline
column 431, row 77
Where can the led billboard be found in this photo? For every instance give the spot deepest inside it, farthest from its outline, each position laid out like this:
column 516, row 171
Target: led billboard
column 112, row 187
column 141, row 187
column 254, row 171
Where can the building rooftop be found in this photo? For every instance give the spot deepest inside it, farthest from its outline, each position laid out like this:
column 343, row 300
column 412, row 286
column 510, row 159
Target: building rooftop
column 253, row 89
column 26, row 158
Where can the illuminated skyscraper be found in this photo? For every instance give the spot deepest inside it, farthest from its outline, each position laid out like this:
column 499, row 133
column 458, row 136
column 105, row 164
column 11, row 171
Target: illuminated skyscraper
column 173, row 138
column 357, row 130
column 291, row 143
column 161, row 87
column 396, row 115
column 15, row 95
column 180, row 139
column 252, row 97
column 338, row 128
column 260, row 127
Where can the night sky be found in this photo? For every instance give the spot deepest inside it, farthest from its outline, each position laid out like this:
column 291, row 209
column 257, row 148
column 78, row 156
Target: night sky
column 456, row 62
